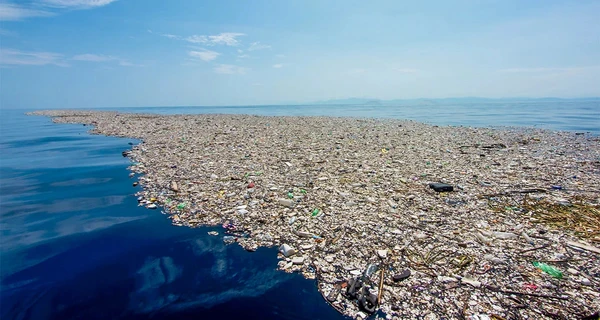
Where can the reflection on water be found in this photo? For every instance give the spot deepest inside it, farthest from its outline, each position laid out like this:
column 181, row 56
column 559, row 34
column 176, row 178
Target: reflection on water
column 76, row 245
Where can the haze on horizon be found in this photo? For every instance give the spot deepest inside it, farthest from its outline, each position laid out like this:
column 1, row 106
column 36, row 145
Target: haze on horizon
column 127, row 53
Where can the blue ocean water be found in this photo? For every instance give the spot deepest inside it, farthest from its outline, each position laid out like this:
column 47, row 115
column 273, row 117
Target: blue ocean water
column 74, row 244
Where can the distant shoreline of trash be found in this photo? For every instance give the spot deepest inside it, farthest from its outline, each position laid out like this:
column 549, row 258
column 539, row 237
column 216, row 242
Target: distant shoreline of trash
column 414, row 220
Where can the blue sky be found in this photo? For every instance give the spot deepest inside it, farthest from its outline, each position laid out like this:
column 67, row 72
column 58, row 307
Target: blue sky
column 120, row 53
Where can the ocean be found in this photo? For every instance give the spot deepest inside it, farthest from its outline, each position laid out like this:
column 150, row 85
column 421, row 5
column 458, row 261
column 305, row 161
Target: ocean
column 75, row 245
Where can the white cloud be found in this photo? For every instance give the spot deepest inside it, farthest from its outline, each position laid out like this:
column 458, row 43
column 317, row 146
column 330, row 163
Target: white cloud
column 258, row 46
column 278, row 65
column 230, row 69
column 172, row 36
column 192, row 39
column 205, row 55
column 125, row 63
column 280, row 55
column 225, row 38
column 90, row 57
column 243, row 56
column 93, row 57
column 76, row 4
column 44, row 8
column 16, row 57
column 13, row 12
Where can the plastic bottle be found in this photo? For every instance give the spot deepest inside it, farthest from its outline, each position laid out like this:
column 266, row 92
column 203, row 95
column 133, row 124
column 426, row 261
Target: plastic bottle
column 527, row 238
column 504, row 235
column 548, row 269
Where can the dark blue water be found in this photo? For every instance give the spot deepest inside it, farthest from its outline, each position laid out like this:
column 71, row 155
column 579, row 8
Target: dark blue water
column 74, row 244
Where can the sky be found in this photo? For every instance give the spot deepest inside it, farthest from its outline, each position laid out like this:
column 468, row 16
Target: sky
column 128, row 53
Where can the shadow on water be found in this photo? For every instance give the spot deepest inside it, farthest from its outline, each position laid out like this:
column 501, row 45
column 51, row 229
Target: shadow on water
column 76, row 246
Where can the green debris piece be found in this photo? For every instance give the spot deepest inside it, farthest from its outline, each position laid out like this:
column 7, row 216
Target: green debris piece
column 548, row 269
column 315, row 212
column 290, row 195
column 181, row 206
column 302, row 191
column 168, row 201
column 428, row 163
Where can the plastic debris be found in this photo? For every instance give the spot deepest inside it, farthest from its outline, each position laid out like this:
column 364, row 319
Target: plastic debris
column 286, row 250
column 401, row 276
column 441, row 187
column 298, row 260
column 548, row 269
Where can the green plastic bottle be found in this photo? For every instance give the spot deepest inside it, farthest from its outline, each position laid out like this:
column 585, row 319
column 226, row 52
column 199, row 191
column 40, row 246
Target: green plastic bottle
column 548, row 269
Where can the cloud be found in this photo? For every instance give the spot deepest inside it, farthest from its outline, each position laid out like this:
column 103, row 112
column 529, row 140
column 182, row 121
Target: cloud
column 14, row 57
column 257, row 46
column 192, row 39
column 44, row 8
column 243, row 56
column 225, row 38
column 125, row 63
column 205, row 55
column 14, row 12
column 230, row 69
column 90, row 57
column 278, row 65
column 93, row 57
column 76, row 4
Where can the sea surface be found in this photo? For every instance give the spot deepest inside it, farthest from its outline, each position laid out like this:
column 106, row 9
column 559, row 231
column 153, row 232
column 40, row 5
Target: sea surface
column 75, row 245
